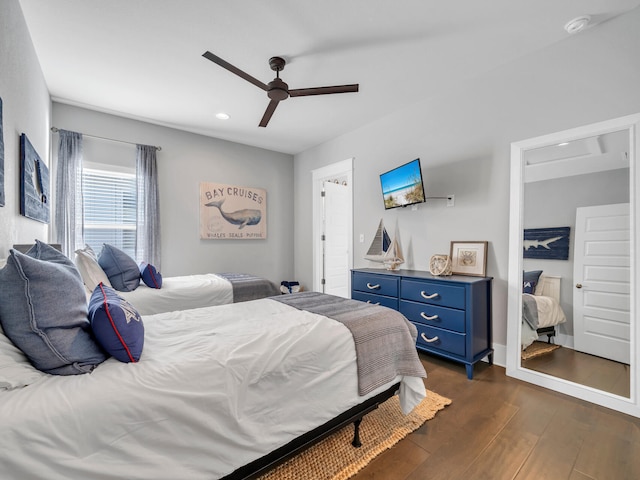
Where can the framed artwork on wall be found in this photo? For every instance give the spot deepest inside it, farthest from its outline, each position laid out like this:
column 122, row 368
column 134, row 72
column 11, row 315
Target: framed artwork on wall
column 546, row 243
column 232, row 212
column 34, row 183
column 469, row 258
column 1, row 158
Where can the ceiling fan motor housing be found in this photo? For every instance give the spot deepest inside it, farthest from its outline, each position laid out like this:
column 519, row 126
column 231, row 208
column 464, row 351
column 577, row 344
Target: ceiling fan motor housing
column 278, row 90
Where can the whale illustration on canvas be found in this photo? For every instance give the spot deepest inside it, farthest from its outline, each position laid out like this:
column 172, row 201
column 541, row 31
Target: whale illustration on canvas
column 242, row 218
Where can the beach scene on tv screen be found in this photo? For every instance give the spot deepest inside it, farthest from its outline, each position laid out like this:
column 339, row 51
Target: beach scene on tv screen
column 402, row 186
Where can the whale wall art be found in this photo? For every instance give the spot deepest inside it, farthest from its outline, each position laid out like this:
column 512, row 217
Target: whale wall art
column 546, row 243
column 232, row 212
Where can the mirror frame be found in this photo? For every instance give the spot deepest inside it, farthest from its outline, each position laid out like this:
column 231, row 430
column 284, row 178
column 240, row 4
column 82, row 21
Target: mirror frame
column 630, row 405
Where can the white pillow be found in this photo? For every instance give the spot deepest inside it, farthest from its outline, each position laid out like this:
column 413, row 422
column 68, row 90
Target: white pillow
column 90, row 270
column 15, row 369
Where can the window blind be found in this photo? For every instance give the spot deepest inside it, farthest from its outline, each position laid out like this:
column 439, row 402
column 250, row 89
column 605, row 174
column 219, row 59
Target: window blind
column 109, row 209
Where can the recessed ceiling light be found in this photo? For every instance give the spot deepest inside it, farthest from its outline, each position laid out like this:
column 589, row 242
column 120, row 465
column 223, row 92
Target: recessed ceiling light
column 563, row 144
column 222, row 116
column 577, row 24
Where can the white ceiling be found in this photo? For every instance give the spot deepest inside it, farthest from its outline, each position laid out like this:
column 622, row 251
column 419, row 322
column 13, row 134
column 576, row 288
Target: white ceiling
column 143, row 59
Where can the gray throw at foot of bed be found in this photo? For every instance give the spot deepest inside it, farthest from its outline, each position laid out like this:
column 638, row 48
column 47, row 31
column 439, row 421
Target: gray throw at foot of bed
column 247, row 287
column 385, row 340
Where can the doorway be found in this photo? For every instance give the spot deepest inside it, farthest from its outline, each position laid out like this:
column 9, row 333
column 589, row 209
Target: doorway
column 332, row 191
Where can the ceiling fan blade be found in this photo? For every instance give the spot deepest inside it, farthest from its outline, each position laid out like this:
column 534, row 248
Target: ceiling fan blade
column 268, row 112
column 226, row 65
column 303, row 92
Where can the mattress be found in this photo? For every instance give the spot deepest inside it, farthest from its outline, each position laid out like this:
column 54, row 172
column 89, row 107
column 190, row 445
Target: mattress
column 195, row 291
column 216, row 388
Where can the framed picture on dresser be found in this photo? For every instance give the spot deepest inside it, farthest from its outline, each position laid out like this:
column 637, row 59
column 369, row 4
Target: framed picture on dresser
column 469, row 258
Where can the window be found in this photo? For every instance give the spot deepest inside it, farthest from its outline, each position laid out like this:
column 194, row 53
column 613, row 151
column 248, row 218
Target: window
column 109, row 209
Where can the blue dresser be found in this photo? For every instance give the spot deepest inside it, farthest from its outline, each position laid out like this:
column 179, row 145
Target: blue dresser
column 452, row 314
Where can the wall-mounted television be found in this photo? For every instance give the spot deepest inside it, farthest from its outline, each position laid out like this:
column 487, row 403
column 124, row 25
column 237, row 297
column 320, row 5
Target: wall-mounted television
column 403, row 186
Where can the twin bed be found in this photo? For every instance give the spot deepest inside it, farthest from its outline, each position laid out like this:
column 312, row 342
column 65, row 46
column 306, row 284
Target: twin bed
column 220, row 391
column 195, row 291
column 541, row 310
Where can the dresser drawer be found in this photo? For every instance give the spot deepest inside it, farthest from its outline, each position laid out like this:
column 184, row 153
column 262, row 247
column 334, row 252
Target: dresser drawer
column 434, row 315
column 440, row 340
column 436, row 293
column 391, row 302
column 377, row 284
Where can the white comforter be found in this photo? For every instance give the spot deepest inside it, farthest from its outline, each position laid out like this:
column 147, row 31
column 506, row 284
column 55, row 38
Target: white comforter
column 181, row 293
column 215, row 388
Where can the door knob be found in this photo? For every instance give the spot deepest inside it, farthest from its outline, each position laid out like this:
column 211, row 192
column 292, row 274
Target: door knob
column 578, row 285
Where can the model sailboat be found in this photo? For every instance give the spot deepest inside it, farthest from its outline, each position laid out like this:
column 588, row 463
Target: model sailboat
column 393, row 256
column 379, row 245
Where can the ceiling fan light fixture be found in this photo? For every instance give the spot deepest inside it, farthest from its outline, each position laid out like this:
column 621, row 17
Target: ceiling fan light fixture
column 577, row 24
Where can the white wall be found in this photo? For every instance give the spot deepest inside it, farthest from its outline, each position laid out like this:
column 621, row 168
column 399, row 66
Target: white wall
column 463, row 139
column 186, row 160
column 26, row 109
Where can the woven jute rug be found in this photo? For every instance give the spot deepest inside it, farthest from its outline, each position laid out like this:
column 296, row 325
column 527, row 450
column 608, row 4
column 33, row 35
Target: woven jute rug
column 335, row 459
column 538, row 348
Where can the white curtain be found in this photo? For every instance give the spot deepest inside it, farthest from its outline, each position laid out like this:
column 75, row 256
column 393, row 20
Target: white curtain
column 148, row 214
column 68, row 218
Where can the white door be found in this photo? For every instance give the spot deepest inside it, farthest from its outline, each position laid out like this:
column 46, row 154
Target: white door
column 601, row 274
column 336, row 239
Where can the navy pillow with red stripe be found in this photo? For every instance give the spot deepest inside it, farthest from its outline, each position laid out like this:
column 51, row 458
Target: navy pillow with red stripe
column 116, row 325
column 150, row 275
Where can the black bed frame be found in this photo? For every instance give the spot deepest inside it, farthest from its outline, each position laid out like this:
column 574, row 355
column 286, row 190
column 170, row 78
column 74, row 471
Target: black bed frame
column 548, row 331
column 353, row 415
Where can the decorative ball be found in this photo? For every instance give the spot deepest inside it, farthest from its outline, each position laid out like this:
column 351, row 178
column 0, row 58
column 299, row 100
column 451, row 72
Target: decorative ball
column 440, row 265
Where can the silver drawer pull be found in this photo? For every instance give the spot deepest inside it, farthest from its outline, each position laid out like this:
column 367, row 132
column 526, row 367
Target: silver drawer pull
column 372, row 287
column 376, row 303
column 428, row 297
column 427, row 317
column 427, row 339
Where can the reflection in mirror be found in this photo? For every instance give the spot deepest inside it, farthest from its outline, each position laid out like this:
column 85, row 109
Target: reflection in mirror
column 576, row 233
column 573, row 243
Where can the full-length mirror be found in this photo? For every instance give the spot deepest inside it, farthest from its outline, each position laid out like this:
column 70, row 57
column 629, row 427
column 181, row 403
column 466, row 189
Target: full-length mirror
column 573, row 270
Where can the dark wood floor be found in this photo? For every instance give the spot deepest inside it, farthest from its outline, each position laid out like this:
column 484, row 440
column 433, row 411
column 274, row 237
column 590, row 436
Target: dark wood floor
column 589, row 370
column 501, row 428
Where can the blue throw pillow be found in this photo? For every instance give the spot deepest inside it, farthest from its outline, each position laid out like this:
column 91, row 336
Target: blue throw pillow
column 116, row 324
column 43, row 310
column 150, row 275
column 121, row 269
column 530, row 280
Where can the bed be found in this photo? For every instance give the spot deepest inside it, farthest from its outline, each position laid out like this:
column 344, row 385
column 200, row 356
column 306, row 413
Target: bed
column 174, row 293
column 541, row 310
column 195, row 291
column 219, row 392
column 144, row 287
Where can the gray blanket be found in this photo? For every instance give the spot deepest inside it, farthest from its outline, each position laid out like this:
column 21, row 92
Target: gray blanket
column 530, row 311
column 385, row 340
column 249, row 287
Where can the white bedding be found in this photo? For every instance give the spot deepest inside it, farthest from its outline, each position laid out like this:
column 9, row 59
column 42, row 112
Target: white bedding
column 181, row 293
column 215, row 388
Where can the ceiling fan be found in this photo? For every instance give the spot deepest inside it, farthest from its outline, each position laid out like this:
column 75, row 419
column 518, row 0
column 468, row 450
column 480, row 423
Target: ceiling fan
column 277, row 90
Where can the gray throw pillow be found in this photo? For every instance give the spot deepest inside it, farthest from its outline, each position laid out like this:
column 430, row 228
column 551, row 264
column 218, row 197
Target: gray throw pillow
column 43, row 311
column 121, row 269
